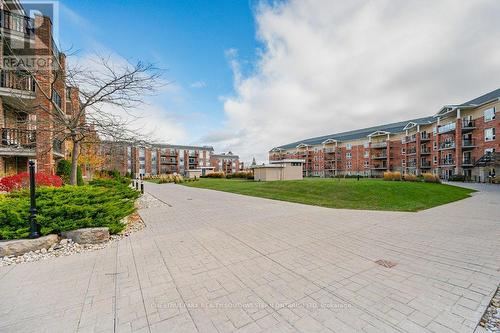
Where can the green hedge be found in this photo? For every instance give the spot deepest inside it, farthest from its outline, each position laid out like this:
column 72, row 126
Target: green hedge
column 102, row 204
column 63, row 170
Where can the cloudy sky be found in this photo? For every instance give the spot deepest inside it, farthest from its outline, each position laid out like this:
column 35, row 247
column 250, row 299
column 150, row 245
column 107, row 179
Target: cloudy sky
column 248, row 76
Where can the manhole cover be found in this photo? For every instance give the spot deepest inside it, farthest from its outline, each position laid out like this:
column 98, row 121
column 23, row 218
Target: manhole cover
column 385, row 263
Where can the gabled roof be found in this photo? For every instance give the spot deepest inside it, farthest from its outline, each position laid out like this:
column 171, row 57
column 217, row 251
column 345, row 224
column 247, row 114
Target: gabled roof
column 377, row 133
column 473, row 103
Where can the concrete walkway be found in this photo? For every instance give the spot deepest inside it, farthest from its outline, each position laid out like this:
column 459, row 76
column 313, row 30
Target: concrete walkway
column 218, row 262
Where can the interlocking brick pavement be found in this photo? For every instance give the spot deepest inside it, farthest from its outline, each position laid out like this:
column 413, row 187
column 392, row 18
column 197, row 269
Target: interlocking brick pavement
column 218, row 262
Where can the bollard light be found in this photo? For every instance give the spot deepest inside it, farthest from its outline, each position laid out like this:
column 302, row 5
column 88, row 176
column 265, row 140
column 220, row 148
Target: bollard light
column 142, row 187
column 34, row 227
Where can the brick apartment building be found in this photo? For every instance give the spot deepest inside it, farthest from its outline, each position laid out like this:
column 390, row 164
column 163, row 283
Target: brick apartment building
column 226, row 162
column 27, row 127
column 157, row 159
column 459, row 139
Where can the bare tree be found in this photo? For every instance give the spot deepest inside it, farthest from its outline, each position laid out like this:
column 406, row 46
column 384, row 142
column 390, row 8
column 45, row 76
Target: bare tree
column 108, row 93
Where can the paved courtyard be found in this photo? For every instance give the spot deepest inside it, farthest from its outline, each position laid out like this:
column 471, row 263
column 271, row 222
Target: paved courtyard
column 218, row 262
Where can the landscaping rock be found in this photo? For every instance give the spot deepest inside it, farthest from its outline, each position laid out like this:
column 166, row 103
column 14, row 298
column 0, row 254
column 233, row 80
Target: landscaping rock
column 67, row 247
column 88, row 235
column 21, row 246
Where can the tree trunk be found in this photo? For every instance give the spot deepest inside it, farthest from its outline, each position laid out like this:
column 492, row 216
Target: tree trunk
column 74, row 163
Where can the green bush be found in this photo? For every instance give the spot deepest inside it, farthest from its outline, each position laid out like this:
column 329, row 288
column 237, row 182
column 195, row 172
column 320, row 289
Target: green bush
column 63, row 170
column 102, row 204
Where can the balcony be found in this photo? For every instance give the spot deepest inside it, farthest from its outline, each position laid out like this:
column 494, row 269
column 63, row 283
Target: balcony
column 446, row 128
column 467, row 162
column 18, row 142
column 16, row 24
column 382, row 144
column 447, row 162
column 382, row 166
column 468, row 144
column 425, row 164
column 425, row 137
column 425, row 151
column 379, row 157
column 447, row 145
column 329, row 150
column 468, row 125
column 411, row 151
column 411, row 138
column 16, row 80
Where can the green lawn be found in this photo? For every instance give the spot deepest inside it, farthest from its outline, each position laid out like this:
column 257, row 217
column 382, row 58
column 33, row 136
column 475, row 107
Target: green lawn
column 370, row 194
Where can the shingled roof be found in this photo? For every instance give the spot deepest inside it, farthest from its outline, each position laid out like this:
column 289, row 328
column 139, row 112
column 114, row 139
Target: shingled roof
column 359, row 133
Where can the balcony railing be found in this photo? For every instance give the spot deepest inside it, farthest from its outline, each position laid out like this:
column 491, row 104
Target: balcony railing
column 447, row 145
column 329, row 150
column 447, row 128
column 447, row 161
column 425, row 164
column 468, row 124
column 425, row 136
column 16, row 80
column 425, row 151
column 468, row 143
column 18, row 23
column 411, row 138
column 18, row 138
column 382, row 144
column 379, row 157
column 411, row 151
column 467, row 161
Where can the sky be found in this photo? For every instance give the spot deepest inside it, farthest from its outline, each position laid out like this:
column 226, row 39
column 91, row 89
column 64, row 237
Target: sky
column 247, row 76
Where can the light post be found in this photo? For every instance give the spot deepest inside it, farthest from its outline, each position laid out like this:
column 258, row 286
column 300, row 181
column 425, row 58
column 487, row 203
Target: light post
column 34, row 227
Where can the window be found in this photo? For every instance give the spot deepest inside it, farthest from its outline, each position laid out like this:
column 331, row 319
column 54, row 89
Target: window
column 349, row 165
column 348, row 146
column 489, row 114
column 367, row 154
column 435, row 160
column 295, row 164
column 403, row 151
column 435, row 145
column 366, row 145
column 348, row 155
column 489, row 150
column 489, row 134
column 367, row 164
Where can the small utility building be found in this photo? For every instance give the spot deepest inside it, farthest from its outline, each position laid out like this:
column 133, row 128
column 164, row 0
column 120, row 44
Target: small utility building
column 290, row 169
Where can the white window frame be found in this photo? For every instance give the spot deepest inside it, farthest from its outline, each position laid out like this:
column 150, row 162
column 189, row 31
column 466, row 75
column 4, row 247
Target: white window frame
column 348, row 146
column 348, row 155
column 486, row 119
column 493, row 134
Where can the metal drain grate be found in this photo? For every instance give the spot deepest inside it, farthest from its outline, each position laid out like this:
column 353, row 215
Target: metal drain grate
column 385, row 263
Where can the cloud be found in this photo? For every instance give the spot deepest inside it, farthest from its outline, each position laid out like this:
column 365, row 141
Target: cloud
column 198, row 84
column 329, row 66
column 152, row 119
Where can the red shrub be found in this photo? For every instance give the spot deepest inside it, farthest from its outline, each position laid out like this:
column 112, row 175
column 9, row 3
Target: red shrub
column 22, row 180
